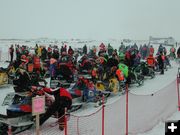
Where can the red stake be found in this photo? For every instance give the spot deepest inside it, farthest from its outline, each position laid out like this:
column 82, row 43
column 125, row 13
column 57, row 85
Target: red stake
column 126, row 109
column 177, row 82
column 65, row 122
column 103, row 115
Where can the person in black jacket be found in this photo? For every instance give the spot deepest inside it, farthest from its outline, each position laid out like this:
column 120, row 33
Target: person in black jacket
column 85, row 49
column 22, row 80
column 178, row 53
column 160, row 60
column 11, row 52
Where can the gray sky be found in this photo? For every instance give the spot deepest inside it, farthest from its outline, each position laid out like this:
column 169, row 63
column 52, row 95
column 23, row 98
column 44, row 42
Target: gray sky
column 96, row 19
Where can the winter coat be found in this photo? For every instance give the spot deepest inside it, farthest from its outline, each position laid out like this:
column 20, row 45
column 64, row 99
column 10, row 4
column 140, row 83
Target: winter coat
column 178, row 52
column 62, row 92
column 23, row 80
column 44, row 54
column 37, row 64
column 124, row 69
column 160, row 60
column 110, row 50
column 151, row 61
column 39, row 51
column 151, row 50
column 53, row 67
column 70, row 51
column 85, row 49
column 11, row 50
column 136, row 60
column 120, row 75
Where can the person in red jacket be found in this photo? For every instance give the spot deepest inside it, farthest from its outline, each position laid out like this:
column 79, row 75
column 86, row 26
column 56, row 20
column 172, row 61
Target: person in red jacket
column 36, row 62
column 63, row 100
column 24, row 61
column 151, row 50
column 70, row 51
column 151, row 61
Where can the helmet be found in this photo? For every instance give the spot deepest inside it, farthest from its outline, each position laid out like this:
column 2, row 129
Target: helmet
column 23, row 57
column 64, row 53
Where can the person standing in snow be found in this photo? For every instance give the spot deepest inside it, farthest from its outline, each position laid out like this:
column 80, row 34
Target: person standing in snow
column 178, row 52
column 172, row 52
column 43, row 53
column 110, row 49
column 161, row 59
column 70, row 51
column 11, row 52
column 85, row 49
column 151, row 50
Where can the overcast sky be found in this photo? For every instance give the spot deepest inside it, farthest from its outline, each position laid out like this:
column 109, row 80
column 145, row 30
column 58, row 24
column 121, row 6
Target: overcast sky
column 95, row 19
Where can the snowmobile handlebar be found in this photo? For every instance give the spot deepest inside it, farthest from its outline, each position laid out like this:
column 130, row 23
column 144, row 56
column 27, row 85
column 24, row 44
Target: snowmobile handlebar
column 37, row 90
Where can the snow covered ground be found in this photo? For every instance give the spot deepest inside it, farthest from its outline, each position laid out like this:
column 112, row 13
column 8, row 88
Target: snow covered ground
column 150, row 86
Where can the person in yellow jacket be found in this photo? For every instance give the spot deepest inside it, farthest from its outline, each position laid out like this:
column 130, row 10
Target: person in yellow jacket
column 39, row 51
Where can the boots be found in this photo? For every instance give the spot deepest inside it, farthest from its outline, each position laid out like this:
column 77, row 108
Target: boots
column 61, row 123
column 61, row 126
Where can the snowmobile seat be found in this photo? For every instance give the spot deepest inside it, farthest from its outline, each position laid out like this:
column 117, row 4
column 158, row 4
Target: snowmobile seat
column 20, row 90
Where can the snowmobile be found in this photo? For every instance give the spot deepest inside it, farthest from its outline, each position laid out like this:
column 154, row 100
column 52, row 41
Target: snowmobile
column 18, row 110
column 143, row 69
column 135, row 77
column 65, row 72
column 84, row 91
column 3, row 77
column 85, row 64
column 112, row 87
column 11, row 73
column 7, row 75
column 65, row 75
column 54, row 82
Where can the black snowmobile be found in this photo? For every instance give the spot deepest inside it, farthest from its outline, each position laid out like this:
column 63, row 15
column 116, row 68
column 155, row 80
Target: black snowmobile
column 134, row 77
column 145, row 70
column 17, row 108
column 18, row 112
column 64, row 72
column 65, row 75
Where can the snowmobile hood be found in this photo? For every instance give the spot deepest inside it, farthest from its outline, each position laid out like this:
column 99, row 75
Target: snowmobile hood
column 14, row 108
column 20, row 108
column 3, row 111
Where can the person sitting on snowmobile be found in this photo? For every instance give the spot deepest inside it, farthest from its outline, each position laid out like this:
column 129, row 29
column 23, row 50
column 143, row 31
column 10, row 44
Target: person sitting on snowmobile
column 24, row 61
column 151, row 61
column 22, row 81
column 63, row 99
column 53, row 67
